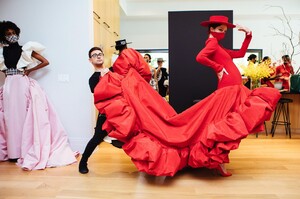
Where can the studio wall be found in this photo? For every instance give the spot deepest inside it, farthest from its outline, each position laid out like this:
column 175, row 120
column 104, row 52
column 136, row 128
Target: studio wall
column 190, row 80
column 65, row 28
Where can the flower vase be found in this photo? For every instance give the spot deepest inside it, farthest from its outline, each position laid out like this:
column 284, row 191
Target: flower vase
column 255, row 83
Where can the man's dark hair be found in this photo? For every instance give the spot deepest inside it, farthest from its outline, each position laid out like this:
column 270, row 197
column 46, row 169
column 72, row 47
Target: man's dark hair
column 285, row 57
column 94, row 48
column 148, row 55
column 265, row 58
column 252, row 56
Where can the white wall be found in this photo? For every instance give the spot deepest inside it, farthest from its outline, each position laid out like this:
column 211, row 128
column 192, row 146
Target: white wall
column 65, row 28
column 145, row 23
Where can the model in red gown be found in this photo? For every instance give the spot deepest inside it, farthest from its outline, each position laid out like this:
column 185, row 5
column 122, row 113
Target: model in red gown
column 160, row 141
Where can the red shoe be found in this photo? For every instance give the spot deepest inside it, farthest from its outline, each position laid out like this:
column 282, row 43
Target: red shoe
column 222, row 172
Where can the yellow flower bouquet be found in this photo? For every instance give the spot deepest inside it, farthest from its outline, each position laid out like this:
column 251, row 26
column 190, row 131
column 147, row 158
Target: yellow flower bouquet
column 257, row 72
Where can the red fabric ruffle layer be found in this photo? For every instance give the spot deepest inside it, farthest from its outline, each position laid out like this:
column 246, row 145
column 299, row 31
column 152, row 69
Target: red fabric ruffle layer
column 161, row 142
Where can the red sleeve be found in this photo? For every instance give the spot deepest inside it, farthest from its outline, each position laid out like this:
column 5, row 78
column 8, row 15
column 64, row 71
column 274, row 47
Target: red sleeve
column 130, row 58
column 142, row 67
column 241, row 53
column 108, row 88
column 291, row 69
column 278, row 70
column 204, row 56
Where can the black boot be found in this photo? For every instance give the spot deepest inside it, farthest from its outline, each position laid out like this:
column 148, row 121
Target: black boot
column 13, row 160
column 117, row 143
column 83, row 169
column 92, row 144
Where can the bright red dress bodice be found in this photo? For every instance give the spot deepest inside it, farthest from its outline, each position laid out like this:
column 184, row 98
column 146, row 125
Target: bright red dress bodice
column 217, row 57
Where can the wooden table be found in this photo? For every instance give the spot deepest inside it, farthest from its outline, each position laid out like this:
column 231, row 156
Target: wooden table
column 294, row 109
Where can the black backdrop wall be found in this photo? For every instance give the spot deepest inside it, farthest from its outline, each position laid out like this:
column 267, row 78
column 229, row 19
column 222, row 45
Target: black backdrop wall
column 189, row 80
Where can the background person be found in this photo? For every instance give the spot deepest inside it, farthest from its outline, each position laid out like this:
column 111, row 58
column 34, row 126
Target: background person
column 33, row 134
column 284, row 72
column 153, row 82
column 252, row 59
column 162, row 76
column 268, row 81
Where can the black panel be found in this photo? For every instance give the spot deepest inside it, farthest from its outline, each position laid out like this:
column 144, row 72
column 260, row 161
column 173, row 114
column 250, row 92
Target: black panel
column 188, row 79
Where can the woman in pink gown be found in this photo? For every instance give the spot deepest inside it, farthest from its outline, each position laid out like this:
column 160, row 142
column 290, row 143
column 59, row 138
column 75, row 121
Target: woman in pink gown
column 161, row 142
column 30, row 132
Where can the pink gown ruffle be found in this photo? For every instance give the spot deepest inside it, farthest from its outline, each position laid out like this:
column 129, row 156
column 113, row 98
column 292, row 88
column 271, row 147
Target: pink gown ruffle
column 43, row 141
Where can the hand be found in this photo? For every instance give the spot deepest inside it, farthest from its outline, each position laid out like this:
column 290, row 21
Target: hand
column 243, row 28
column 221, row 73
column 104, row 71
column 26, row 72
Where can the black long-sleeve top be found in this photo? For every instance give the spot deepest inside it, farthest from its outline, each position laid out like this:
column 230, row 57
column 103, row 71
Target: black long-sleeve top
column 95, row 78
column 12, row 54
column 93, row 81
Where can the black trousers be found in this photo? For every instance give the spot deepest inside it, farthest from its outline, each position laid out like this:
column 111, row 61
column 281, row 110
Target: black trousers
column 96, row 139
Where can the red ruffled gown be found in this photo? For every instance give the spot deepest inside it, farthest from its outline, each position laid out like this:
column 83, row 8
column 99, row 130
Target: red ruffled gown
column 161, row 142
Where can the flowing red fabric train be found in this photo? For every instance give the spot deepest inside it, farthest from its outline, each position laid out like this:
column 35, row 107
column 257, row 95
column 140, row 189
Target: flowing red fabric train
column 161, row 142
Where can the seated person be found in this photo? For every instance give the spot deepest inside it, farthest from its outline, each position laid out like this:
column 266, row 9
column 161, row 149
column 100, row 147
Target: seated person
column 284, row 72
column 268, row 81
column 252, row 59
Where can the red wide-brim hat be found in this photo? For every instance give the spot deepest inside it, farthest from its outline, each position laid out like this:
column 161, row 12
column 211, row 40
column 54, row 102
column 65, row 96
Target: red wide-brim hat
column 217, row 19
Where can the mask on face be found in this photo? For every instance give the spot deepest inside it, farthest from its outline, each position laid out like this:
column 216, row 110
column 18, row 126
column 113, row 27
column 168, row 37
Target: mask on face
column 12, row 38
column 286, row 61
column 218, row 35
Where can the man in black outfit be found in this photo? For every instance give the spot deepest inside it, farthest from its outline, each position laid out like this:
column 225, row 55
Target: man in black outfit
column 96, row 57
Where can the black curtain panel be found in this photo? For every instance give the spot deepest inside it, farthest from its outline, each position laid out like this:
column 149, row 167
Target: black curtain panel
column 190, row 81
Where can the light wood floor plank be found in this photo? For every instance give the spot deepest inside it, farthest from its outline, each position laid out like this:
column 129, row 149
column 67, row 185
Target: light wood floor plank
column 262, row 167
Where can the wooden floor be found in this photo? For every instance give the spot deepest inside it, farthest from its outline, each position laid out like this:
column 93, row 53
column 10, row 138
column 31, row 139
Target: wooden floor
column 262, row 167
